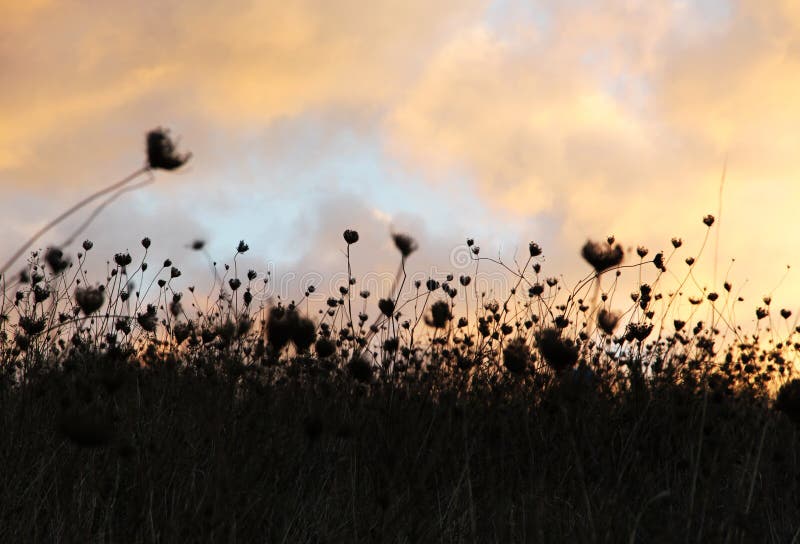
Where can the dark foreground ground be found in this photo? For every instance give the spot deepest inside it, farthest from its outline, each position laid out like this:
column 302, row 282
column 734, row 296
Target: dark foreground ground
column 98, row 455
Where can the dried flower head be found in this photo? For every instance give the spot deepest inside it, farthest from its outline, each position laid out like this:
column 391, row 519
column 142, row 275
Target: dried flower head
column 708, row 220
column 287, row 325
column 122, row 259
column 559, row 353
column 440, row 315
column 278, row 328
column 360, row 369
column 32, row 326
column 386, row 306
column 148, row 320
column 324, row 347
column 56, row 260
column 602, row 257
column 350, row 236
column 90, row 299
column 516, row 356
column 181, row 331
column 405, row 244
column 638, row 331
column 162, row 152
column 607, row 320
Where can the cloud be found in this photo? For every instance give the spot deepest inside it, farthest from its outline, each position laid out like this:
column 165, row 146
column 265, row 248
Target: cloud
column 74, row 68
column 620, row 120
column 557, row 120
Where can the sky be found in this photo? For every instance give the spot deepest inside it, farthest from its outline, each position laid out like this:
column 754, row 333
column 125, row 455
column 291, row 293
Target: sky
column 502, row 120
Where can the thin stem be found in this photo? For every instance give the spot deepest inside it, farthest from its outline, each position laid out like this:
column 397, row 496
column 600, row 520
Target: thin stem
column 69, row 212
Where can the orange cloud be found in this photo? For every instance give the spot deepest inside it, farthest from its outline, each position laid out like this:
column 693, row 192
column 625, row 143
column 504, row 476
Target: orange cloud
column 241, row 63
column 612, row 117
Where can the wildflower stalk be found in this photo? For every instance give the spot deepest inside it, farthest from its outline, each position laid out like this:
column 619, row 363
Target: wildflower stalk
column 349, row 287
column 104, row 204
column 89, row 199
column 678, row 290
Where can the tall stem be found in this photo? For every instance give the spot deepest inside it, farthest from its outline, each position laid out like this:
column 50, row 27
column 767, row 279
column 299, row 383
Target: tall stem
column 69, row 212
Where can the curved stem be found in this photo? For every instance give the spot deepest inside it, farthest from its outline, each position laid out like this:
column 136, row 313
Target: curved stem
column 69, row 212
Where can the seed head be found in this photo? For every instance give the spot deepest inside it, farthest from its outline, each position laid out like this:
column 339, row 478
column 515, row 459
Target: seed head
column 440, row 315
column 535, row 290
column 405, row 244
column 122, row 259
column 161, row 151
column 148, row 320
column 324, row 347
column 708, row 220
column 516, row 356
column 386, row 306
column 303, row 332
column 181, row 331
column 559, row 353
column 32, row 326
column 607, row 320
column 89, row 299
column 350, row 236
column 602, row 257
column 278, row 328
column 56, row 260
column 360, row 369
column 638, row 331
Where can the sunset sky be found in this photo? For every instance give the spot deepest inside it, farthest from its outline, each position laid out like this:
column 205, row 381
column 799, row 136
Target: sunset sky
column 503, row 120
